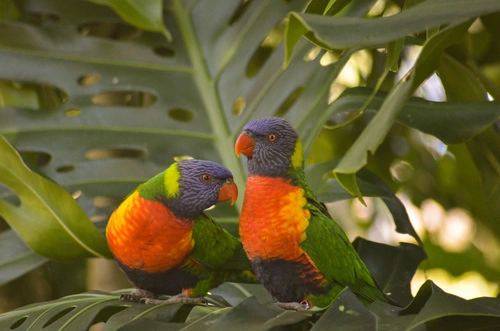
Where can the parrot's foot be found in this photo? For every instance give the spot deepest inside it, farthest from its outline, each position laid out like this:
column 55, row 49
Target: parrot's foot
column 179, row 298
column 297, row 306
column 136, row 295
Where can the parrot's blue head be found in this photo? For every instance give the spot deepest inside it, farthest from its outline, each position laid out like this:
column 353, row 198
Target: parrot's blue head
column 272, row 146
column 190, row 186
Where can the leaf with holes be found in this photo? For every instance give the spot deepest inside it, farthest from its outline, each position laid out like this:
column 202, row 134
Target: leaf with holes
column 46, row 207
column 123, row 104
column 75, row 312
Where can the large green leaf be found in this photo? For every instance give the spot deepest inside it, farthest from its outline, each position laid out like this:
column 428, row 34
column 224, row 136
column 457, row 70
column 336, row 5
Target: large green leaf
column 15, row 257
column 63, row 231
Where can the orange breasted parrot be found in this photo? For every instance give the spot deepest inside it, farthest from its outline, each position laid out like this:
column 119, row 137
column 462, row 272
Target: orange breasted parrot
column 297, row 251
column 165, row 244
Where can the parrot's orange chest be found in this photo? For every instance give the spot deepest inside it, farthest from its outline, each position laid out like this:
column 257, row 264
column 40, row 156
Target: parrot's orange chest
column 273, row 219
column 144, row 234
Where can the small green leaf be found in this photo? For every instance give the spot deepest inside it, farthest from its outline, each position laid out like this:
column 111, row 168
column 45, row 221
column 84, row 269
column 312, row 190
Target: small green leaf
column 147, row 14
column 348, row 182
column 49, row 209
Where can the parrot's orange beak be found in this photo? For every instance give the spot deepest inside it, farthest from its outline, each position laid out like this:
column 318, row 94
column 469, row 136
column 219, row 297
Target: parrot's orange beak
column 244, row 145
column 229, row 191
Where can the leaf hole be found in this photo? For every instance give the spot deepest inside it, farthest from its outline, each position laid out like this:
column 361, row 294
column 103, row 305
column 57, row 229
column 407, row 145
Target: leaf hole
column 265, row 50
column 289, row 101
column 98, row 218
column 18, row 323
column 115, row 30
column 181, row 115
column 124, row 98
column 31, row 95
column 104, row 202
column 35, row 159
column 66, row 168
column 239, row 106
column 164, row 51
column 238, row 13
column 72, row 112
column 10, row 196
column 89, row 79
column 115, row 153
column 58, row 316
column 312, row 54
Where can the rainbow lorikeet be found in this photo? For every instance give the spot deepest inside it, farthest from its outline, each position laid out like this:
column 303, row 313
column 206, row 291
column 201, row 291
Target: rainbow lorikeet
column 165, row 244
column 300, row 255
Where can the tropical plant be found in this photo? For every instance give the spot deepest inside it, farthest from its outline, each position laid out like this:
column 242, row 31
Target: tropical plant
column 99, row 96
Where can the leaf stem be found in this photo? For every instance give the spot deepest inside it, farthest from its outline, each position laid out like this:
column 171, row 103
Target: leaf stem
column 209, row 94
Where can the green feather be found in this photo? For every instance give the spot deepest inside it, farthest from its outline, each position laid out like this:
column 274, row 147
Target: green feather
column 222, row 255
column 166, row 183
column 340, row 263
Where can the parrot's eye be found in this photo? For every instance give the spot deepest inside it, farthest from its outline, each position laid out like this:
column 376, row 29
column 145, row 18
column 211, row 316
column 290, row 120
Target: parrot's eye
column 271, row 137
column 206, row 178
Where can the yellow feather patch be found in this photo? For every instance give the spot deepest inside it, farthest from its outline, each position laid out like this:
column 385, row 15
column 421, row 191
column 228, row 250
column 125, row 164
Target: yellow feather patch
column 298, row 155
column 172, row 177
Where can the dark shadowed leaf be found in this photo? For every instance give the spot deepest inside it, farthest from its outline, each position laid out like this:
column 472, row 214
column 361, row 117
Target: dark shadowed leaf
column 251, row 314
column 436, row 309
column 348, row 313
column 392, row 267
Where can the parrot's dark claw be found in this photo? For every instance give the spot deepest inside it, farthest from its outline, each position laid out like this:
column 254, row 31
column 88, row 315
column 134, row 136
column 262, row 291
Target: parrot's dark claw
column 136, row 295
column 297, row 306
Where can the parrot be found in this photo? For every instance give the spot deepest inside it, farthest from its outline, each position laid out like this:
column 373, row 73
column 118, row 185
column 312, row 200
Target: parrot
column 164, row 242
column 298, row 252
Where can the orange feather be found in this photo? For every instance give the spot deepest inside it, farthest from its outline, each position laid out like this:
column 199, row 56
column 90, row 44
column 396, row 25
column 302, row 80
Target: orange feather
column 144, row 234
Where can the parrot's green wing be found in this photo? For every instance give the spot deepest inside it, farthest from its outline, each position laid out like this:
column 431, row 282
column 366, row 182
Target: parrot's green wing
column 340, row 263
column 216, row 248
